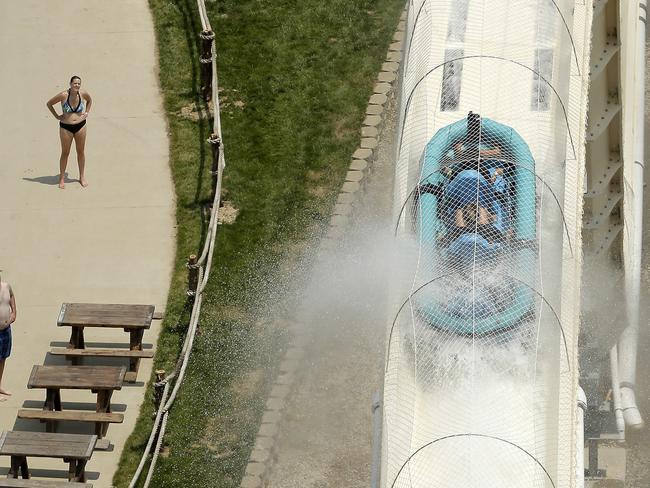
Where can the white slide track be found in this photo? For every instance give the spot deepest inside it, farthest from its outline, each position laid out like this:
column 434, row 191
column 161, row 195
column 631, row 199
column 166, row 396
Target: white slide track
column 481, row 371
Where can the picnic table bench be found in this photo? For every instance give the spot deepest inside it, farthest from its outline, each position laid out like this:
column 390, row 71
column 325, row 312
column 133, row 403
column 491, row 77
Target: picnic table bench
column 134, row 319
column 30, row 483
column 102, row 380
column 74, row 449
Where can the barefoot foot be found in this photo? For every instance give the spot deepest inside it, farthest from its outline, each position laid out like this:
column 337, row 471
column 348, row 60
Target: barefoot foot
column 61, row 184
column 5, row 392
column 83, row 182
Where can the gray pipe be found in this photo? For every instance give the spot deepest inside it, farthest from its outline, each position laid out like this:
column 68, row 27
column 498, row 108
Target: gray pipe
column 628, row 342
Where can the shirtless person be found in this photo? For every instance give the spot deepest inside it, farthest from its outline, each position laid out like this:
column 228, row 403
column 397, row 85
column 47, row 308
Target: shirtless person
column 7, row 317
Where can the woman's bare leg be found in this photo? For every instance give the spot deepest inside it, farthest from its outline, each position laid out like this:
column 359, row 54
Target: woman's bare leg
column 66, row 142
column 80, row 144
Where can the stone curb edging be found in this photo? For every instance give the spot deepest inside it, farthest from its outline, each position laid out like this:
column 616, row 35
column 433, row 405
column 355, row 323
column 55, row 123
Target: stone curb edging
column 264, row 450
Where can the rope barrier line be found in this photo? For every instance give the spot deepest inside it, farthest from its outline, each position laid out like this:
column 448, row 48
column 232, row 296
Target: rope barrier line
column 203, row 13
column 203, row 264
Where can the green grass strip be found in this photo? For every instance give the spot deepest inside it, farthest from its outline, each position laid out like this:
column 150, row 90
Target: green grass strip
column 295, row 79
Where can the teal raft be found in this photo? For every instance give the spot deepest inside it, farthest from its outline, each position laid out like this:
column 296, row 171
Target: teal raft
column 484, row 273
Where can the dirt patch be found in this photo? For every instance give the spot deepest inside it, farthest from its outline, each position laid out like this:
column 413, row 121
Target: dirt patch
column 313, row 175
column 227, row 213
column 249, row 385
column 342, row 129
column 196, row 113
column 318, row 191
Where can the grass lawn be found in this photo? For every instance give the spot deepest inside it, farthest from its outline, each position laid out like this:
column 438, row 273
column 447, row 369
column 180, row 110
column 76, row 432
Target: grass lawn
column 295, row 79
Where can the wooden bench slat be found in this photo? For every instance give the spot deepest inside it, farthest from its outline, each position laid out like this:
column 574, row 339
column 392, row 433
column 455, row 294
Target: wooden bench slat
column 20, row 483
column 106, row 315
column 44, row 444
column 71, row 415
column 77, row 377
column 117, row 353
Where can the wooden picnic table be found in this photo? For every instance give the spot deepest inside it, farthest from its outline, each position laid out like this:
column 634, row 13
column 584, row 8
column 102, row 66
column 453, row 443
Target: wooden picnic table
column 102, row 380
column 134, row 319
column 74, row 449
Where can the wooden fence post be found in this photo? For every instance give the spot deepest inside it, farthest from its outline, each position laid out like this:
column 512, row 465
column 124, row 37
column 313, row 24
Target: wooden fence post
column 215, row 143
column 158, row 387
column 205, row 60
column 193, row 276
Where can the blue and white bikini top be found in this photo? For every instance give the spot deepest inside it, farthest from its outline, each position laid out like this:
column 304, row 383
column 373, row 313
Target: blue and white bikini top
column 78, row 109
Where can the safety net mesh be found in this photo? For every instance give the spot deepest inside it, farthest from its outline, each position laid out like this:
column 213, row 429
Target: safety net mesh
column 480, row 371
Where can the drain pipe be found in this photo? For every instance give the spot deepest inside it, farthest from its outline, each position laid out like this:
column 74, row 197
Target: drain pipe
column 627, row 345
column 580, row 438
column 616, row 393
column 376, row 442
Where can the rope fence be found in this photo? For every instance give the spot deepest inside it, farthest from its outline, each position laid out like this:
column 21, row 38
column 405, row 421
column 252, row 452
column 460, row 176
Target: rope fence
column 198, row 268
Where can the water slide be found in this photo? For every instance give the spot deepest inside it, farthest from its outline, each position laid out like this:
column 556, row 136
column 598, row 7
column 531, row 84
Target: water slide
column 481, row 380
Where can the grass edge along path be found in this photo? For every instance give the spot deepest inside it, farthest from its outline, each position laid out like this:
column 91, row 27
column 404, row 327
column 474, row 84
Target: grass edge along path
column 294, row 86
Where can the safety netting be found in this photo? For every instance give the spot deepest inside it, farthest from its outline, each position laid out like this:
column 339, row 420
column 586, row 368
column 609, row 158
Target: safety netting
column 480, row 370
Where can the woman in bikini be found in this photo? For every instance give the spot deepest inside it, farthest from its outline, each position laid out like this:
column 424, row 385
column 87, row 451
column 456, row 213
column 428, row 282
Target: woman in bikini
column 75, row 104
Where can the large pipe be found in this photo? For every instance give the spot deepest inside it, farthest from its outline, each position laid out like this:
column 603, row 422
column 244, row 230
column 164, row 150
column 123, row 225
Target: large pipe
column 616, row 392
column 627, row 345
column 580, row 439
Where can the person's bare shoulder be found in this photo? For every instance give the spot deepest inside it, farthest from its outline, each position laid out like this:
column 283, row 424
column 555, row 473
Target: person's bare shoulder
column 61, row 97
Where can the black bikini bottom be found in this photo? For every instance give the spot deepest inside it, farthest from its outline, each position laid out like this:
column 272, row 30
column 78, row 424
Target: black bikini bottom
column 73, row 128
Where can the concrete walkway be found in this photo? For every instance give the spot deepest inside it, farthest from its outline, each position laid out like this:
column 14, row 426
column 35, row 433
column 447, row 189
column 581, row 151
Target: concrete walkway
column 111, row 242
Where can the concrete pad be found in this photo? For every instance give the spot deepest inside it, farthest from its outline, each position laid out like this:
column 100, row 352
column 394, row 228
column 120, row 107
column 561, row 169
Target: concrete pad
column 280, row 391
column 251, row 482
column 268, row 430
column 255, row 469
column 350, row 187
column 382, row 88
column 261, row 455
column 362, row 153
column 339, row 221
column 394, row 56
column 378, row 99
column 369, row 143
column 374, row 110
column 342, row 209
column 273, row 404
column 386, row 76
column 265, row 442
column 372, row 121
column 346, row 198
column 354, row 176
column 359, row 164
column 111, row 242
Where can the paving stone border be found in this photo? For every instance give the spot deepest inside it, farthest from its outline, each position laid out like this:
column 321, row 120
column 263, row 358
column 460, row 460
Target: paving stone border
column 264, row 451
